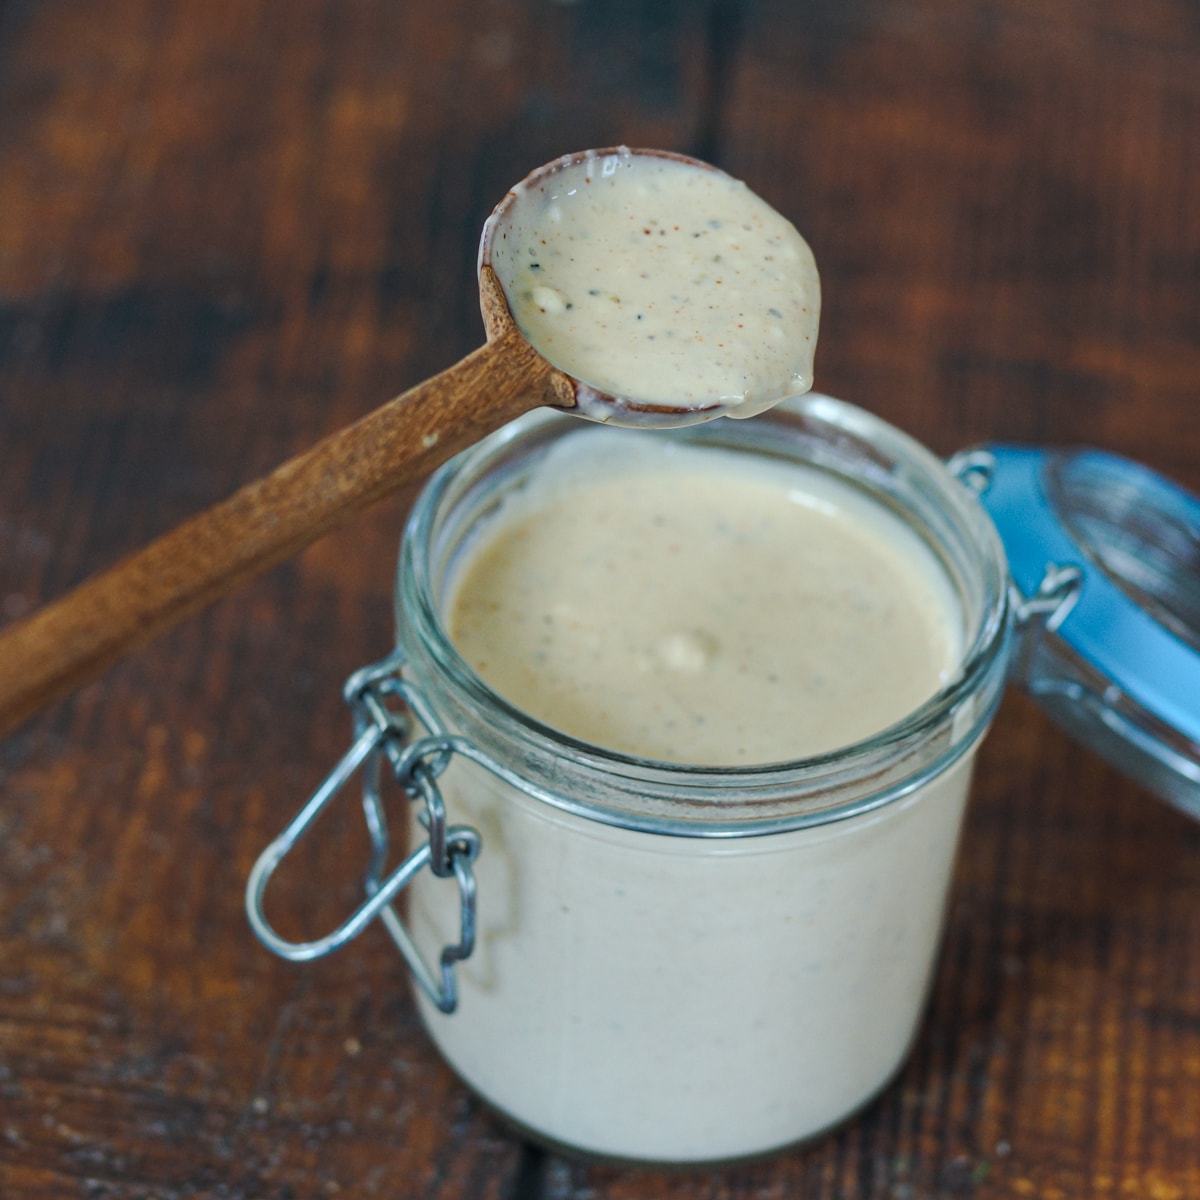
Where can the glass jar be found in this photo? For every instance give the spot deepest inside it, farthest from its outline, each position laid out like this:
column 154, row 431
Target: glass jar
column 645, row 961
column 679, row 964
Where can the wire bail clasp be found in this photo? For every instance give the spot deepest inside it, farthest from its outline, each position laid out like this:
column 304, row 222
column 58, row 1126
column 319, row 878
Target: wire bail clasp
column 384, row 705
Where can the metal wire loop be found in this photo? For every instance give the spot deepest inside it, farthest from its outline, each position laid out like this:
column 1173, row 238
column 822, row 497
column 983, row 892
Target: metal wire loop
column 1056, row 595
column 385, row 706
column 973, row 469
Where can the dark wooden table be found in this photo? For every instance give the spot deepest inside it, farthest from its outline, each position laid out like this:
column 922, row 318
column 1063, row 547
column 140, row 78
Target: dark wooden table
column 228, row 228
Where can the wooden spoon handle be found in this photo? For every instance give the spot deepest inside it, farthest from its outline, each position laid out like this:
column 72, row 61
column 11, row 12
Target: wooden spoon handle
column 78, row 637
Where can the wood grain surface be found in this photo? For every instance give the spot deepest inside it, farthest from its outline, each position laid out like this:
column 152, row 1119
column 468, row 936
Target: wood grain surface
column 230, row 227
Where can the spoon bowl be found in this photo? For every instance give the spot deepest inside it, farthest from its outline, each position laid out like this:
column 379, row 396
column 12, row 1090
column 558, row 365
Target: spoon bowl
column 662, row 289
column 577, row 395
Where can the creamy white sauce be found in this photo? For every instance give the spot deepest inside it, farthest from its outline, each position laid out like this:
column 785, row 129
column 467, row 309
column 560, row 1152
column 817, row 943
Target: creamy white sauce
column 702, row 606
column 664, row 282
column 681, row 999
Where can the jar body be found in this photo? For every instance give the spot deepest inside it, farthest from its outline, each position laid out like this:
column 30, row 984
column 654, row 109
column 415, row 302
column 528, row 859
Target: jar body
column 680, row 1000
column 680, row 965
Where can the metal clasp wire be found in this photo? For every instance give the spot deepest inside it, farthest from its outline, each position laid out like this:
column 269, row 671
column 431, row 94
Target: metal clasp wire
column 1058, row 590
column 382, row 730
column 973, row 469
column 1056, row 595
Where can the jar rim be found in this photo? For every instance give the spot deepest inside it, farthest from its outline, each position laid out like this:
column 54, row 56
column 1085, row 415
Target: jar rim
column 964, row 705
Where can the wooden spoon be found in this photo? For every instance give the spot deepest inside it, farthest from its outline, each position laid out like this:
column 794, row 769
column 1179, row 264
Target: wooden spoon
column 76, row 638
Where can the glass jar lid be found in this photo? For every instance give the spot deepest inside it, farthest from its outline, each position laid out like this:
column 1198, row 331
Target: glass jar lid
column 1109, row 553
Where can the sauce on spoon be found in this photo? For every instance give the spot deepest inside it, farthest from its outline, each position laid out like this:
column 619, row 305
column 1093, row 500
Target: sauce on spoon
column 664, row 286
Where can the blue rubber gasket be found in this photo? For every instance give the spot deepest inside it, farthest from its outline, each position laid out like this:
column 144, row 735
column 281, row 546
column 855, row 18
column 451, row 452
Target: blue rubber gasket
column 1106, row 627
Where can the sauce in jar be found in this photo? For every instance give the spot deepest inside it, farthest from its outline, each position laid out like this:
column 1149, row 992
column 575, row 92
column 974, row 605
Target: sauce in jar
column 696, row 606
column 708, row 958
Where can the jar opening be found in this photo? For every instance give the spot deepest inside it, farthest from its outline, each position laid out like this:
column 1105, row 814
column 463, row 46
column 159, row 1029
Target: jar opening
column 878, row 462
